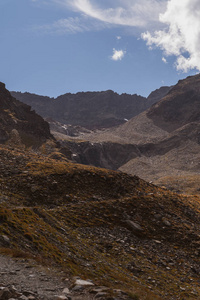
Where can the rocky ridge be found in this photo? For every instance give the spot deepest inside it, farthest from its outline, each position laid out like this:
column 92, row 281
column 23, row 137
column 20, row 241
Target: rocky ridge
column 91, row 110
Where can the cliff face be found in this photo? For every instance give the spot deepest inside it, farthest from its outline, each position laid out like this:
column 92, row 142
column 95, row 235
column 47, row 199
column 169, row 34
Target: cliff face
column 17, row 119
column 92, row 110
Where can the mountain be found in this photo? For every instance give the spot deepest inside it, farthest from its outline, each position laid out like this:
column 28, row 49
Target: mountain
column 170, row 153
column 158, row 94
column 92, row 110
column 19, row 122
column 127, row 238
column 162, row 144
column 180, row 107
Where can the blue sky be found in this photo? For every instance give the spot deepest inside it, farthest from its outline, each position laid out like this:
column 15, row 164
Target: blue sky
column 51, row 47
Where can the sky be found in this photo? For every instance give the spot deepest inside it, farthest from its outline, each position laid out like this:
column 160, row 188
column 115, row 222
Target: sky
column 53, row 47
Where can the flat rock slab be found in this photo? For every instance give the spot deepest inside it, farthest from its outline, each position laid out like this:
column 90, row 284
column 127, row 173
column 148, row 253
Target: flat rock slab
column 83, row 282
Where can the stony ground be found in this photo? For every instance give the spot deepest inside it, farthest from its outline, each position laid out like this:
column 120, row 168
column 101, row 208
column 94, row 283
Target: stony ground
column 26, row 276
column 26, row 280
column 115, row 230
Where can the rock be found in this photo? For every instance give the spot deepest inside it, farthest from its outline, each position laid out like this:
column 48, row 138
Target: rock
column 157, row 242
column 31, row 298
column 4, row 239
column 5, row 294
column 135, row 227
column 15, row 137
column 83, row 282
column 100, row 295
column 99, row 290
column 28, row 293
column 23, row 297
column 34, row 189
column 166, row 222
column 66, row 291
column 77, row 288
column 61, row 297
column 157, row 216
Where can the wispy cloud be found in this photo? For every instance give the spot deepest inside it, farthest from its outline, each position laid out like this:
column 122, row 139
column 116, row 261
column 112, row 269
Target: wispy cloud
column 71, row 25
column 98, row 15
column 182, row 35
column 118, row 54
column 119, row 12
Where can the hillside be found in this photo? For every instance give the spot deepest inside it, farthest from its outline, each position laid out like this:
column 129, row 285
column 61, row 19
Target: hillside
column 92, row 110
column 138, row 240
column 171, row 156
column 19, row 124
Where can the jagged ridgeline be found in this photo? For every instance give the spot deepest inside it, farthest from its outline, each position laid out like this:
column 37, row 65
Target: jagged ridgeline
column 91, row 110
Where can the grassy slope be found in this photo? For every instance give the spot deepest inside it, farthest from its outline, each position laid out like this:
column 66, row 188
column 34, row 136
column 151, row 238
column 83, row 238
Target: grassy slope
column 74, row 216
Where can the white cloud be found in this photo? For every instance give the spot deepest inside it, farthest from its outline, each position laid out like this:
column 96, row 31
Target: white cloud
column 138, row 13
column 182, row 34
column 118, row 37
column 164, row 60
column 62, row 26
column 118, row 54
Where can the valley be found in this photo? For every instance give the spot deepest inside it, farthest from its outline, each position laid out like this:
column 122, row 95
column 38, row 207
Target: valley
column 160, row 144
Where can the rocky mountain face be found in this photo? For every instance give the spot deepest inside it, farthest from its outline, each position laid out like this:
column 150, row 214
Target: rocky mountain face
column 161, row 144
column 19, row 123
column 158, row 94
column 180, row 107
column 92, row 110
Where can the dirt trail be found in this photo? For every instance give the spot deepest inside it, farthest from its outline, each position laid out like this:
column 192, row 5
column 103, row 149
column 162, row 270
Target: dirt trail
column 26, row 275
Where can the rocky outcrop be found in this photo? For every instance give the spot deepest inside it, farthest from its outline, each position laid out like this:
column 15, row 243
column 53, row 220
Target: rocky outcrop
column 104, row 155
column 66, row 129
column 19, row 122
column 92, row 110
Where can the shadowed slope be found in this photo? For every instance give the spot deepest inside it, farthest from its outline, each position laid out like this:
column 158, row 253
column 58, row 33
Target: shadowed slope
column 28, row 127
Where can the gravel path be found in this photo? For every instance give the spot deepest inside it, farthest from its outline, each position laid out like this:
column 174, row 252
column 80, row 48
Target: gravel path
column 26, row 275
